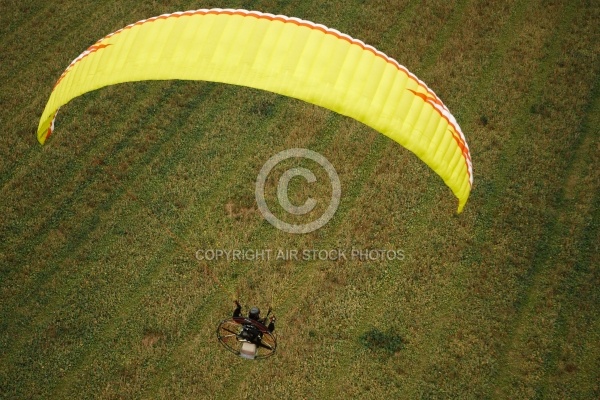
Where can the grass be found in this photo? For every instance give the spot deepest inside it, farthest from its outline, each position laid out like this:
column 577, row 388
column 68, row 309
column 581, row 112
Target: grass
column 100, row 289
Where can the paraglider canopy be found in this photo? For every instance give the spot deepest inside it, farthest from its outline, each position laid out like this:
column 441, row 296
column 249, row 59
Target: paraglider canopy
column 289, row 56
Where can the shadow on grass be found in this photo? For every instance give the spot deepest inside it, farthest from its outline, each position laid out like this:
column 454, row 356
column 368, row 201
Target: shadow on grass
column 389, row 342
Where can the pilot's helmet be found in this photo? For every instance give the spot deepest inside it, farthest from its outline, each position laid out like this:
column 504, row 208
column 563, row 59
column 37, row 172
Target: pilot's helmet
column 254, row 313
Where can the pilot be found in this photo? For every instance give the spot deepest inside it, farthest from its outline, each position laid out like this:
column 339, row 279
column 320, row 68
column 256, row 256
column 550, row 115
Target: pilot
column 254, row 315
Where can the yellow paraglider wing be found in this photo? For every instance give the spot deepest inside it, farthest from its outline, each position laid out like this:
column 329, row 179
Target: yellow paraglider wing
column 284, row 55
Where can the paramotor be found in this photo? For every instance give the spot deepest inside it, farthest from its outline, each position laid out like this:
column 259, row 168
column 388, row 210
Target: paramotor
column 246, row 338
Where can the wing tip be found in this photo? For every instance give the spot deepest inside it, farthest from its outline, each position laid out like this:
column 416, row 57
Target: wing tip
column 461, row 204
column 45, row 130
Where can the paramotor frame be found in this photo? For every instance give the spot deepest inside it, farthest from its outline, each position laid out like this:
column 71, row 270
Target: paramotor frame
column 246, row 338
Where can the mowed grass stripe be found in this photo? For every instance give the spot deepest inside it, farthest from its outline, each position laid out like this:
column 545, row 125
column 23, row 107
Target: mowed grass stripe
column 54, row 264
column 571, row 251
column 466, row 278
column 62, row 33
column 28, row 87
column 121, row 195
column 51, row 30
column 433, row 51
column 490, row 26
column 21, row 166
column 576, row 368
column 454, row 353
column 39, row 247
column 29, row 261
column 482, row 36
column 385, row 25
column 45, row 177
column 445, row 367
column 101, row 357
column 513, row 161
column 538, row 225
column 80, row 238
column 58, row 339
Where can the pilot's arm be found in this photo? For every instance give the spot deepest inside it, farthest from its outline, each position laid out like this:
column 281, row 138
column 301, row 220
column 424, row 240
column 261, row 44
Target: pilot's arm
column 238, row 309
column 271, row 326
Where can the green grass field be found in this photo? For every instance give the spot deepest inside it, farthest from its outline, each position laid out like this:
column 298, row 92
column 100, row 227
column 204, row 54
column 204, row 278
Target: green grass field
column 102, row 295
